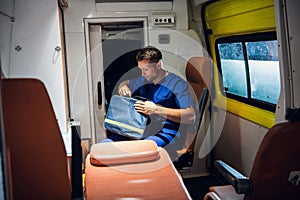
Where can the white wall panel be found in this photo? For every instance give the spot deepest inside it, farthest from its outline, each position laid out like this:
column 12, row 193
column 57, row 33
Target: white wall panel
column 293, row 14
column 78, row 83
column 183, row 45
column 239, row 142
column 6, row 23
column 36, row 32
column 7, row 7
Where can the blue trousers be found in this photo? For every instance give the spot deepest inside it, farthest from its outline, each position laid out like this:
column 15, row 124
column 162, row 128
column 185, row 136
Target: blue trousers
column 161, row 139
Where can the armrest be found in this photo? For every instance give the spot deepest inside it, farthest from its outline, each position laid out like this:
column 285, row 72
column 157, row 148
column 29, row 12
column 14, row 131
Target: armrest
column 241, row 184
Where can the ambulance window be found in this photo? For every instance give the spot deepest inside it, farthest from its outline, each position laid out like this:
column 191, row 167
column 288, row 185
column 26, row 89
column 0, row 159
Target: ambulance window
column 264, row 70
column 250, row 69
column 233, row 68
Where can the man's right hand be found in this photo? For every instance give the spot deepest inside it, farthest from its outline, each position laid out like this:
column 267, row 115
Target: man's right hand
column 124, row 90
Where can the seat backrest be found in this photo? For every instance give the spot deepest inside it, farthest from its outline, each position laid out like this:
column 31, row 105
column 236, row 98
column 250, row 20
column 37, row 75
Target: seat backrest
column 276, row 158
column 199, row 76
column 36, row 154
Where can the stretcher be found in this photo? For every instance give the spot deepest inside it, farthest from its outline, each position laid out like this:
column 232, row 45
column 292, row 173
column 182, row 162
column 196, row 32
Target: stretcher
column 132, row 170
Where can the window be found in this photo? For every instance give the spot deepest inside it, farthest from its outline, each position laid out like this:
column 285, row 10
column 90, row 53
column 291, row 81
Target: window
column 250, row 69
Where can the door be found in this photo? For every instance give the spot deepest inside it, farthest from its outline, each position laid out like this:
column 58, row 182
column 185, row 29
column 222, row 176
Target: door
column 113, row 45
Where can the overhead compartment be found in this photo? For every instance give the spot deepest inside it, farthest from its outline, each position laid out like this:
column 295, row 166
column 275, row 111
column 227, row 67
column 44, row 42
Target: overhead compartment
column 133, row 5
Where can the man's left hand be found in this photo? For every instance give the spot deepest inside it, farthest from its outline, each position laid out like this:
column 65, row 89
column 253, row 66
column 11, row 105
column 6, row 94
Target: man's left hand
column 145, row 107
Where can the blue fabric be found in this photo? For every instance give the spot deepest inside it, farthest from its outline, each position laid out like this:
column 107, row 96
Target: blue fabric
column 158, row 139
column 115, row 137
column 171, row 92
column 122, row 118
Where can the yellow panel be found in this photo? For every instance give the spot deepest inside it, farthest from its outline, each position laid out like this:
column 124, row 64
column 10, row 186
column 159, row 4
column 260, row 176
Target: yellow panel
column 244, row 23
column 236, row 16
column 228, row 8
column 254, row 114
column 239, row 17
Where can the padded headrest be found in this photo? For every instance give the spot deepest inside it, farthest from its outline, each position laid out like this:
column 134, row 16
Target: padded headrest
column 198, row 70
column 124, row 152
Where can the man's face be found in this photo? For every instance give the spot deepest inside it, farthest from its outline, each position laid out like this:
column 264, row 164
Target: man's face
column 149, row 70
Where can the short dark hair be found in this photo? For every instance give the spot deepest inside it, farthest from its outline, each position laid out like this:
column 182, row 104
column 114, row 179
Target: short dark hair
column 151, row 53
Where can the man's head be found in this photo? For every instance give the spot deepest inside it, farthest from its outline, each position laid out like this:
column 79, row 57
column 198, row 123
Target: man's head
column 149, row 53
column 150, row 63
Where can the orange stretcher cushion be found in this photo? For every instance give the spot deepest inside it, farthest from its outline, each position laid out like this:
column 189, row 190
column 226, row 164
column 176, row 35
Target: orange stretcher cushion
column 156, row 179
column 114, row 153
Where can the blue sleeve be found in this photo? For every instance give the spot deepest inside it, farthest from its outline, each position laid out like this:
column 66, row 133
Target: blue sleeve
column 183, row 97
column 135, row 85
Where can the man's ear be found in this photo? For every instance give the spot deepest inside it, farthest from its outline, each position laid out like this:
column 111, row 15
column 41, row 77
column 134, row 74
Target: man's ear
column 160, row 64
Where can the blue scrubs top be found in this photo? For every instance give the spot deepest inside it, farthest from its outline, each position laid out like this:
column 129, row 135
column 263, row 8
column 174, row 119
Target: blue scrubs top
column 171, row 92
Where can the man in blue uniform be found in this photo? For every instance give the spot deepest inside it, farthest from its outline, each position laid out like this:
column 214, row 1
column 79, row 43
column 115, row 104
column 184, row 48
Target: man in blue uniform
column 168, row 104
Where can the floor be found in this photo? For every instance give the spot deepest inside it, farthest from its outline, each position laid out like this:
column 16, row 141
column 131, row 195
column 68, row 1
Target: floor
column 198, row 186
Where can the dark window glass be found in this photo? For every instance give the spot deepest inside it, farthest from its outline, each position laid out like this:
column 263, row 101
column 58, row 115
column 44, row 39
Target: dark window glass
column 264, row 70
column 233, row 68
column 250, row 69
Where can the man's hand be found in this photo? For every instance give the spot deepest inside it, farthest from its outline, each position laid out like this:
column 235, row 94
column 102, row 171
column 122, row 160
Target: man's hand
column 185, row 115
column 147, row 107
column 124, row 90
